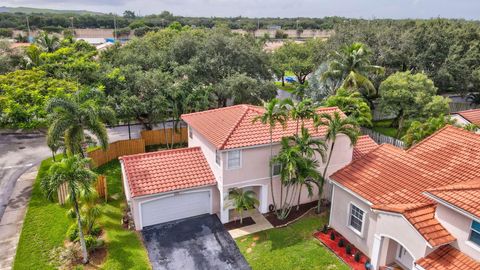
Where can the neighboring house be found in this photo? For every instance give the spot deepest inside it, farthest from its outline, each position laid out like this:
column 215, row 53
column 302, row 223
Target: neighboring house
column 467, row 117
column 417, row 209
column 226, row 150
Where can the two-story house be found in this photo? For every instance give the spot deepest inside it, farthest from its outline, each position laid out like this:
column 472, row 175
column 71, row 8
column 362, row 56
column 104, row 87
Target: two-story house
column 226, row 150
column 414, row 209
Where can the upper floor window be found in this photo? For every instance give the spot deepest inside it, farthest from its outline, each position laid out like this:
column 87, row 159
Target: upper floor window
column 276, row 169
column 356, row 219
column 190, row 133
column 234, row 159
column 217, row 157
column 475, row 232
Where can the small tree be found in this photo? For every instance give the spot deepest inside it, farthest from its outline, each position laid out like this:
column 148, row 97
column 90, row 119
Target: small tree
column 242, row 201
column 74, row 172
column 352, row 104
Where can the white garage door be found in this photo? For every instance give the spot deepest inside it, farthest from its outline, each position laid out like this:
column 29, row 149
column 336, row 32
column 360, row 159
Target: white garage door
column 178, row 206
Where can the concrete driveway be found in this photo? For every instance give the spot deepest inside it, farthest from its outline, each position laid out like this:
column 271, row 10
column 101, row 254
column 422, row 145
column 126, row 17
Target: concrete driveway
column 194, row 243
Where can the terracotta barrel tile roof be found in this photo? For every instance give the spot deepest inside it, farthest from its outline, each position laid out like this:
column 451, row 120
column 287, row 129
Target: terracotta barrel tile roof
column 364, row 145
column 391, row 177
column 233, row 127
column 167, row 170
column 465, row 195
column 472, row 116
column 448, row 258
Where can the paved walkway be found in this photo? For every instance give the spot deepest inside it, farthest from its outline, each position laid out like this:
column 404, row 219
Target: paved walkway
column 12, row 220
column 261, row 224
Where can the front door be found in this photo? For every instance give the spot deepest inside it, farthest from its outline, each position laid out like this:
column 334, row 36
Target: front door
column 403, row 257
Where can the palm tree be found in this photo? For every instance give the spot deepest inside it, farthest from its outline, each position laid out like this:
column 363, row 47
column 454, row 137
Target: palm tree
column 48, row 43
column 69, row 117
column 352, row 66
column 301, row 111
column 72, row 171
column 307, row 175
column 308, row 146
column 274, row 112
column 242, row 200
column 335, row 125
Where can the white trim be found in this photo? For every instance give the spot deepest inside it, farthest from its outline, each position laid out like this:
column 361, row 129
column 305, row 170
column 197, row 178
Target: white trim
column 125, row 182
column 406, row 220
column 472, row 245
column 173, row 191
column 350, row 191
column 171, row 195
column 331, row 206
column 228, row 168
column 451, row 206
column 398, row 242
column 361, row 232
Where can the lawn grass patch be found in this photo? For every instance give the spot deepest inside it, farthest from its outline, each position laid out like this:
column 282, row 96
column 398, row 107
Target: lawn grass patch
column 288, row 87
column 291, row 247
column 46, row 223
column 385, row 127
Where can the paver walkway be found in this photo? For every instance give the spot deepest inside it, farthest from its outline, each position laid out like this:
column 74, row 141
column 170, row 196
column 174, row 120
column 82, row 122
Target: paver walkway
column 261, row 224
column 12, row 220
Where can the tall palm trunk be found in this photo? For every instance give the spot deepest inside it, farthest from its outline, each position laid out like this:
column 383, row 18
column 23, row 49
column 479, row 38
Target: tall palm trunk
column 271, row 170
column 299, row 195
column 322, row 182
column 80, row 231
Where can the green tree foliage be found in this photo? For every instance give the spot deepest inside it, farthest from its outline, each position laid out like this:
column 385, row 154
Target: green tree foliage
column 10, row 59
column 352, row 104
column 417, row 130
column 242, row 200
column 351, row 67
column 69, row 117
column 297, row 58
column 24, row 94
column 72, row 171
column 6, row 33
column 48, row 43
column 410, row 97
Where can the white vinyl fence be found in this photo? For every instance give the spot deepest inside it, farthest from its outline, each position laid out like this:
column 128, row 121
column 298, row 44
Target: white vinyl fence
column 380, row 138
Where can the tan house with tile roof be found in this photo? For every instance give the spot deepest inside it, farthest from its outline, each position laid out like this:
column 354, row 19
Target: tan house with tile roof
column 394, row 205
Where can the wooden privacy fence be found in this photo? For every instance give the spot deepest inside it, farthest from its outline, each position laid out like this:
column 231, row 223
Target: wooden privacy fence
column 164, row 136
column 100, row 186
column 380, row 138
column 115, row 150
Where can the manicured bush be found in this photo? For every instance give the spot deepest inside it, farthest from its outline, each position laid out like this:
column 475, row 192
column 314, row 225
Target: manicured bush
column 341, row 243
column 332, row 236
column 72, row 232
column 348, row 249
column 357, row 256
column 325, row 229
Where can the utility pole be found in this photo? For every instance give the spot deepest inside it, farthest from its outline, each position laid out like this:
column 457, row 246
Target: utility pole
column 115, row 28
column 28, row 27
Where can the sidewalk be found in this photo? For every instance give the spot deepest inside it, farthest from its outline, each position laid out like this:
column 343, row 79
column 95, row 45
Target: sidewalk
column 261, row 224
column 12, row 220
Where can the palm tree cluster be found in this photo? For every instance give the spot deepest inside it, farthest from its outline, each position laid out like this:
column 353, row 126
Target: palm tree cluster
column 301, row 153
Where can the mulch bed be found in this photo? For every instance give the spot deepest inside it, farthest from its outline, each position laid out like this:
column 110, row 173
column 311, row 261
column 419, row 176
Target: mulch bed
column 294, row 214
column 341, row 251
column 236, row 223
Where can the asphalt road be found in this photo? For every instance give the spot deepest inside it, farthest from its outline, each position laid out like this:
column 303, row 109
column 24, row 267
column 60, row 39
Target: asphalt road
column 21, row 151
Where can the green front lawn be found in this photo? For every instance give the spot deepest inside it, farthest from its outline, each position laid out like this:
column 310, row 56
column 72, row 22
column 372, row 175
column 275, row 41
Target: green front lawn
column 46, row 223
column 288, row 87
column 292, row 247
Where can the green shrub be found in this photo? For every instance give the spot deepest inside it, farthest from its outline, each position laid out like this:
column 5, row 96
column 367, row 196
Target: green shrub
column 96, row 230
column 348, row 249
column 341, row 243
column 93, row 243
column 357, row 256
column 332, row 236
column 6, row 32
column 325, row 229
column 72, row 232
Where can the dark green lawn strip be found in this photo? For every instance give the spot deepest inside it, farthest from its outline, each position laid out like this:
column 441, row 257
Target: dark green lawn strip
column 292, row 247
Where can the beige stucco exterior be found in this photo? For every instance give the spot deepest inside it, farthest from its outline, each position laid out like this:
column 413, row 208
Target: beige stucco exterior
column 382, row 231
column 459, row 226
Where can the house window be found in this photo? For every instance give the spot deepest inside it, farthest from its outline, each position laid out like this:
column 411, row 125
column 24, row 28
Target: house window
column 217, row 157
column 276, row 169
column 356, row 219
column 234, row 158
column 190, row 133
column 475, row 233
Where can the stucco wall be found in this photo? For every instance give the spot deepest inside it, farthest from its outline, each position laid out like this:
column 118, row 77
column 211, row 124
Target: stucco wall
column 459, row 226
column 392, row 226
column 208, row 150
column 460, row 120
column 340, row 212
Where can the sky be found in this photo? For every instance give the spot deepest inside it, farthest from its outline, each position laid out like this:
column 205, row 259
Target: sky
column 467, row 9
